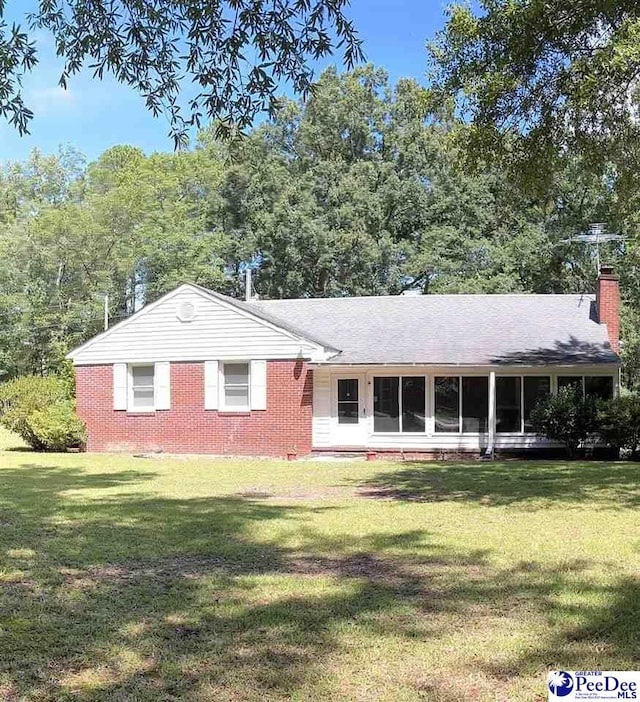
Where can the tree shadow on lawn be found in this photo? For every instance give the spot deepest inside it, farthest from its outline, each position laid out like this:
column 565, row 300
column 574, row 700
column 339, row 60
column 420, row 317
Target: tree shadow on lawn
column 137, row 597
column 603, row 484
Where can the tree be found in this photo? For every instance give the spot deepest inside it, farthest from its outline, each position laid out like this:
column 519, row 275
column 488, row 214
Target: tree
column 236, row 52
column 128, row 226
column 543, row 81
column 361, row 189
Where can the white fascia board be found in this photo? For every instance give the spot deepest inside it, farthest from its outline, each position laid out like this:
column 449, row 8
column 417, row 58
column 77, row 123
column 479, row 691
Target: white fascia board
column 575, row 369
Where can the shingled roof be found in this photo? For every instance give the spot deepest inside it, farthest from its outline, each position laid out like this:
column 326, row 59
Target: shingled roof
column 448, row 329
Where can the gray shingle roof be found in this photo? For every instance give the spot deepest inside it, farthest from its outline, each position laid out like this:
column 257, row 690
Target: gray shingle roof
column 449, row 329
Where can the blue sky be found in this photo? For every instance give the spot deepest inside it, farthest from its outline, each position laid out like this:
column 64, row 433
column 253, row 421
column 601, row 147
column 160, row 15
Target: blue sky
column 93, row 115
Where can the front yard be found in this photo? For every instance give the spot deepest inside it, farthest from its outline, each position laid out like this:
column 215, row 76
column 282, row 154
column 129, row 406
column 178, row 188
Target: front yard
column 157, row 579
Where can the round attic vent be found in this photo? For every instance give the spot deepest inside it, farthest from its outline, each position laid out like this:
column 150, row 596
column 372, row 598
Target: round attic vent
column 186, row 311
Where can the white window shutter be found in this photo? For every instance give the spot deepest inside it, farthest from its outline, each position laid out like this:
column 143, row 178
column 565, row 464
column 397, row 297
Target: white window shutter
column 162, row 385
column 120, row 376
column 211, row 384
column 258, row 375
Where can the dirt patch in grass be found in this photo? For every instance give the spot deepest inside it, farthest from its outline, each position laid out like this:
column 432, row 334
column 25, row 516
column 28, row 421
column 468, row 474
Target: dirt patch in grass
column 388, row 570
column 328, row 492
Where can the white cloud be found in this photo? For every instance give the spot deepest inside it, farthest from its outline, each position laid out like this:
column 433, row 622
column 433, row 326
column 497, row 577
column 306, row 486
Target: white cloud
column 47, row 99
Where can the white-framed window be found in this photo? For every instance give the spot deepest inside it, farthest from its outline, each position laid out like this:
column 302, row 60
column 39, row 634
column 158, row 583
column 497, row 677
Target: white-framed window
column 600, row 387
column 236, row 386
column 516, row 397
column 142, row 392
column 348, row 400
column 399, row 404
column 461, row 404
column 142, row 387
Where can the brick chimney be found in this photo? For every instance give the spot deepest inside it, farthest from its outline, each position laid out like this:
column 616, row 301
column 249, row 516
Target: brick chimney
column 608, row 304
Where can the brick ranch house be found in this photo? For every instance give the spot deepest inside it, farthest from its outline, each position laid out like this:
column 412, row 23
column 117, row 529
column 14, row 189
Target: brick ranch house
column 199, row 372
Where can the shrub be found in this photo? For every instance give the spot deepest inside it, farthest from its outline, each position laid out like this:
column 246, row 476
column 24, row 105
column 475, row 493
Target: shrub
column 619, row 423
column 566, row 417
column 49, row 399
column 58, row 427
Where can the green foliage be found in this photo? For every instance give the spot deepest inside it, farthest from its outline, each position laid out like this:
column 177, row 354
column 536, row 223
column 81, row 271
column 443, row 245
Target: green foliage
column 541, row 82
column 630, row 352
column 57, row 427
column 127, row 226
column 567, row 417
column 361, row 190
column 164, row 46
column 619, row 422
column 40, row 410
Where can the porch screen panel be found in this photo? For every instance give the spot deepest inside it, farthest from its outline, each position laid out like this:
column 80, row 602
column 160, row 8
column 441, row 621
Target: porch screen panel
column 598, row 386
column 386, row 405
column 569, row 381
column 475, row 404
column 508, row 413
column 413, row 404
column 535, row 388
column 447, row 404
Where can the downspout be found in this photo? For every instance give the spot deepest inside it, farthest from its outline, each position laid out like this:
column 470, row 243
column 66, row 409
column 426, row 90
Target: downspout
column 492, row 414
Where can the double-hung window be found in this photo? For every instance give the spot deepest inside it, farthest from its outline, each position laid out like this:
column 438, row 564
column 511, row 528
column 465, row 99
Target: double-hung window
column 236, row 386
column 142, row 388
column 399, row 404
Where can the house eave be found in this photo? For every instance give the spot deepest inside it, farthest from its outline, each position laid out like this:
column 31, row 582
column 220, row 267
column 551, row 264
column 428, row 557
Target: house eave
column 333, row 363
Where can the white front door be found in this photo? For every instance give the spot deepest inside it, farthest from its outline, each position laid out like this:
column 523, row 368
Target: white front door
column 349, row 413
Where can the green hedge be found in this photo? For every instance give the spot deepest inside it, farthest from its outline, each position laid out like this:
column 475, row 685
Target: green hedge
column 42, row 412
column 619, row 423
column 567, row 417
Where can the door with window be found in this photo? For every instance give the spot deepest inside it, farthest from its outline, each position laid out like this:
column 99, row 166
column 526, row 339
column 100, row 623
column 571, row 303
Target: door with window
column 349, row 413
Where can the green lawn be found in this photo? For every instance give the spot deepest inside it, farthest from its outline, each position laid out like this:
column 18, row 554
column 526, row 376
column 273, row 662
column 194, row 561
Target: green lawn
column 158, row 579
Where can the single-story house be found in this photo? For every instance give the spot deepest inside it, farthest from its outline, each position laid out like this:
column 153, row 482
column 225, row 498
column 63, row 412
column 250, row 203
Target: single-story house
column 200, row 372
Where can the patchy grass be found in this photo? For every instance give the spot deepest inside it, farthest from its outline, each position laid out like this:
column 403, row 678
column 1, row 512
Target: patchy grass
column 202, row 579
column 10, row 441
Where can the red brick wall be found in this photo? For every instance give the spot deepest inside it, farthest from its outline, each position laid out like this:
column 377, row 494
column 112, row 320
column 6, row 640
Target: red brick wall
column 608, row 304
column 188, row 428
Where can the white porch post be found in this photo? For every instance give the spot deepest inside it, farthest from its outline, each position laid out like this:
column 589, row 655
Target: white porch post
column 492, row 412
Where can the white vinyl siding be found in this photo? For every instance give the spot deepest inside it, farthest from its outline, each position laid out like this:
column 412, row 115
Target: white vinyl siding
column 211, row 385
column 322, row 436
column 218, row 330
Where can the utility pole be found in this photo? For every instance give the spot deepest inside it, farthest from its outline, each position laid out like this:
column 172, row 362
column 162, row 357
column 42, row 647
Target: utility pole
column 106, row 312
column 247, row 284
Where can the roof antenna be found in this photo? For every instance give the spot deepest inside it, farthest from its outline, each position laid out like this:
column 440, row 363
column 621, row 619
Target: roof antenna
column 247, row 284
column 597, row 234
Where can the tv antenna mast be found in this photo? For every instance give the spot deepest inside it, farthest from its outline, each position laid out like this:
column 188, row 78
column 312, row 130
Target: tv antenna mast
column 596, row 235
